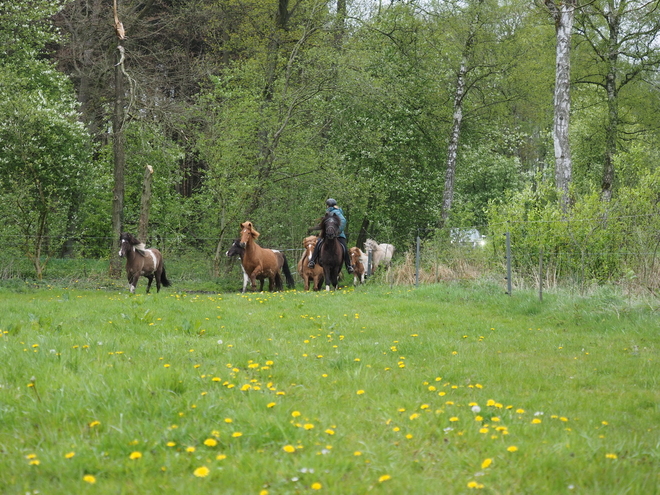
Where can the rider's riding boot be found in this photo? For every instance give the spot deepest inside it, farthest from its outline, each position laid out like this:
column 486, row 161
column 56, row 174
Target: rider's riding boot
column 349, row 267
column 315, row 254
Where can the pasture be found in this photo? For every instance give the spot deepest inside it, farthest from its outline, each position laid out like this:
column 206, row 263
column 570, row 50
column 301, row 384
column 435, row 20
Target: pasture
column 448, row 388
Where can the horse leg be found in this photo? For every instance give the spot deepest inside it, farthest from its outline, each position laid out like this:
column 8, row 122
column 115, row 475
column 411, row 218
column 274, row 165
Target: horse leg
column 132, row 283
column 151, row 279
column 158, row 274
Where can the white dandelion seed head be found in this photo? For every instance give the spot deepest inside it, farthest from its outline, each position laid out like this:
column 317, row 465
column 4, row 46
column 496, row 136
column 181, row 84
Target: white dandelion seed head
column 476, row 409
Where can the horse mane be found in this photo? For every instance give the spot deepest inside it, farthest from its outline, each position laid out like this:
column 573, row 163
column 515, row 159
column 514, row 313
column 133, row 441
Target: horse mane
column 253, row 232
column 371, row 245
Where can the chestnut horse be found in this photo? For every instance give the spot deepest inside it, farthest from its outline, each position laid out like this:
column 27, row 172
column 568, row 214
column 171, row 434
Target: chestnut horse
column 260, row 263
column 331, row 256
column 313, row 275
column 142, row 262
column 356, row 256
column 237, row 250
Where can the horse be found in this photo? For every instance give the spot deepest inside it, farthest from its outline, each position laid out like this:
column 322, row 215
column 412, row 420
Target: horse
column 356, row 255
column 141, row 261
column 331, row 257
column 313, row 275
column 380, row 253
column 261, row 263
column 237, row 250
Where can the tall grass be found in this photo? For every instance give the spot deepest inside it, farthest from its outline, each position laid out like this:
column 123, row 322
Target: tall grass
column 446, row 388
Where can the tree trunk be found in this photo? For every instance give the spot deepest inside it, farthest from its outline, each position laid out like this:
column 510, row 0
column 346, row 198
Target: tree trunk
column 457, row 119
column 612, row 129
column 564, row 15
column 119, row 162
column 145, row 204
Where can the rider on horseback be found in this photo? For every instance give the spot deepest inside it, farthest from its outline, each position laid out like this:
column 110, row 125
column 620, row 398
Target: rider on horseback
column 335, row 210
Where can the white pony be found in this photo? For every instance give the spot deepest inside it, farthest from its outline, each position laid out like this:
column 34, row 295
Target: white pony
column 380, row 253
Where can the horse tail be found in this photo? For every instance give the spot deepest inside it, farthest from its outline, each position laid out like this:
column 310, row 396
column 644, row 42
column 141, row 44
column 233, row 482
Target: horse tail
column 163, row 279
column 278, row 281
column 290, row 282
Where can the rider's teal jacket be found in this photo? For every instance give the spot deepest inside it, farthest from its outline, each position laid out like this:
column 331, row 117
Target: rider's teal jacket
column 342, row 219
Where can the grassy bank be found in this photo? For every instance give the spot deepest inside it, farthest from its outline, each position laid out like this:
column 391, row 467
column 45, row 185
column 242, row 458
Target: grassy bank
column 445, row 388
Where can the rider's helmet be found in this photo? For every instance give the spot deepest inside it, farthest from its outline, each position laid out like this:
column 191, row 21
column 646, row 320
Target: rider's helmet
column 330, row 202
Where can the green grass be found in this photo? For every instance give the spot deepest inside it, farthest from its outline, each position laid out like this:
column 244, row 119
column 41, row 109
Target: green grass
column 103, row 374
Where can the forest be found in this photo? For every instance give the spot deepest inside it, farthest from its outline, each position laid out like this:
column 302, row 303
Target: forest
column 179, row 119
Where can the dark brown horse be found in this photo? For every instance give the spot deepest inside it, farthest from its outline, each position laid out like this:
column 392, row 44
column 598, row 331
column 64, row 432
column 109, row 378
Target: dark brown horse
column 313, row 275
column 142, row 262
column 261, row 263
column 331, row 256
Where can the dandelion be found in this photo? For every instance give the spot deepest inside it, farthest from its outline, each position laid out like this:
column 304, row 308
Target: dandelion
column 271, row 404
column 237, row 434
column 360, row 392
column 221, row 457
column 308, row 426
column 330, row 431
column 69, row 455
column 611, row 456
column 135, row 455
column 35, row 462
column 229, row 420
column 289, row 449
column 474, row 484
column 520, row 411
column 512, row 448
column 357, row 453
column 453, row 419
column 536, row 421
column 316, row 486
column 171, row 444
column 94, row 423
column 476, row 409
column 210, row 442
column 88, row 478
column 190, row 449
column 384, row 477
column 486, row 463
column 201, row 472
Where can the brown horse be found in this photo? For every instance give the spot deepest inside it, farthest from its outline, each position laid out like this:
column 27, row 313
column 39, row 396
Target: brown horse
column 142, row 262
column 260, row 263
column 356, row 256
column 313, row 275
column 237, row 250
column 331, row 256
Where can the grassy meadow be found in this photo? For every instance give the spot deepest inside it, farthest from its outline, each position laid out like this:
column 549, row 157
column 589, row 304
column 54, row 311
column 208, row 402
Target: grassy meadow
column 448, row 388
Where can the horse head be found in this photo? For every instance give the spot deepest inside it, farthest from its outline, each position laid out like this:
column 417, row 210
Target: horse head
column 247, row 233
column 330, row 226
column 235, row 249
column 126, row 242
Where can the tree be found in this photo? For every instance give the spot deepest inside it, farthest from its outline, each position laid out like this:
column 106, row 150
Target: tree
column 45, row 149
column 563, row 13
column 621, row 35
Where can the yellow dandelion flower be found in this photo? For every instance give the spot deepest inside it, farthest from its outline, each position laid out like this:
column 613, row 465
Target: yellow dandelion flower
column 271, row 404
column 316, row 486
column 357, row 453
column 536, row 421
column 228, row 420
column 330, row 431
column 289, row 449
column 69, row 455
column 94, row 423
column 35, row 462
column 171, row 444
column 264, row 492
column 486, row 463
column 237, row 434
column 512, row 448
column 88, row 478
column 453, row 419
column 135, row 455
column 611, row 456
column 384, row 477
column 221, row 457
column 190, row 449
column 360, row 392
column 520, row 411
column 202, row 472
column 210, row 442
column 308, row 426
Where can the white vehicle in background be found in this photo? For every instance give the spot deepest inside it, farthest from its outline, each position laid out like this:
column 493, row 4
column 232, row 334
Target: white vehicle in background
column 466, row 237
